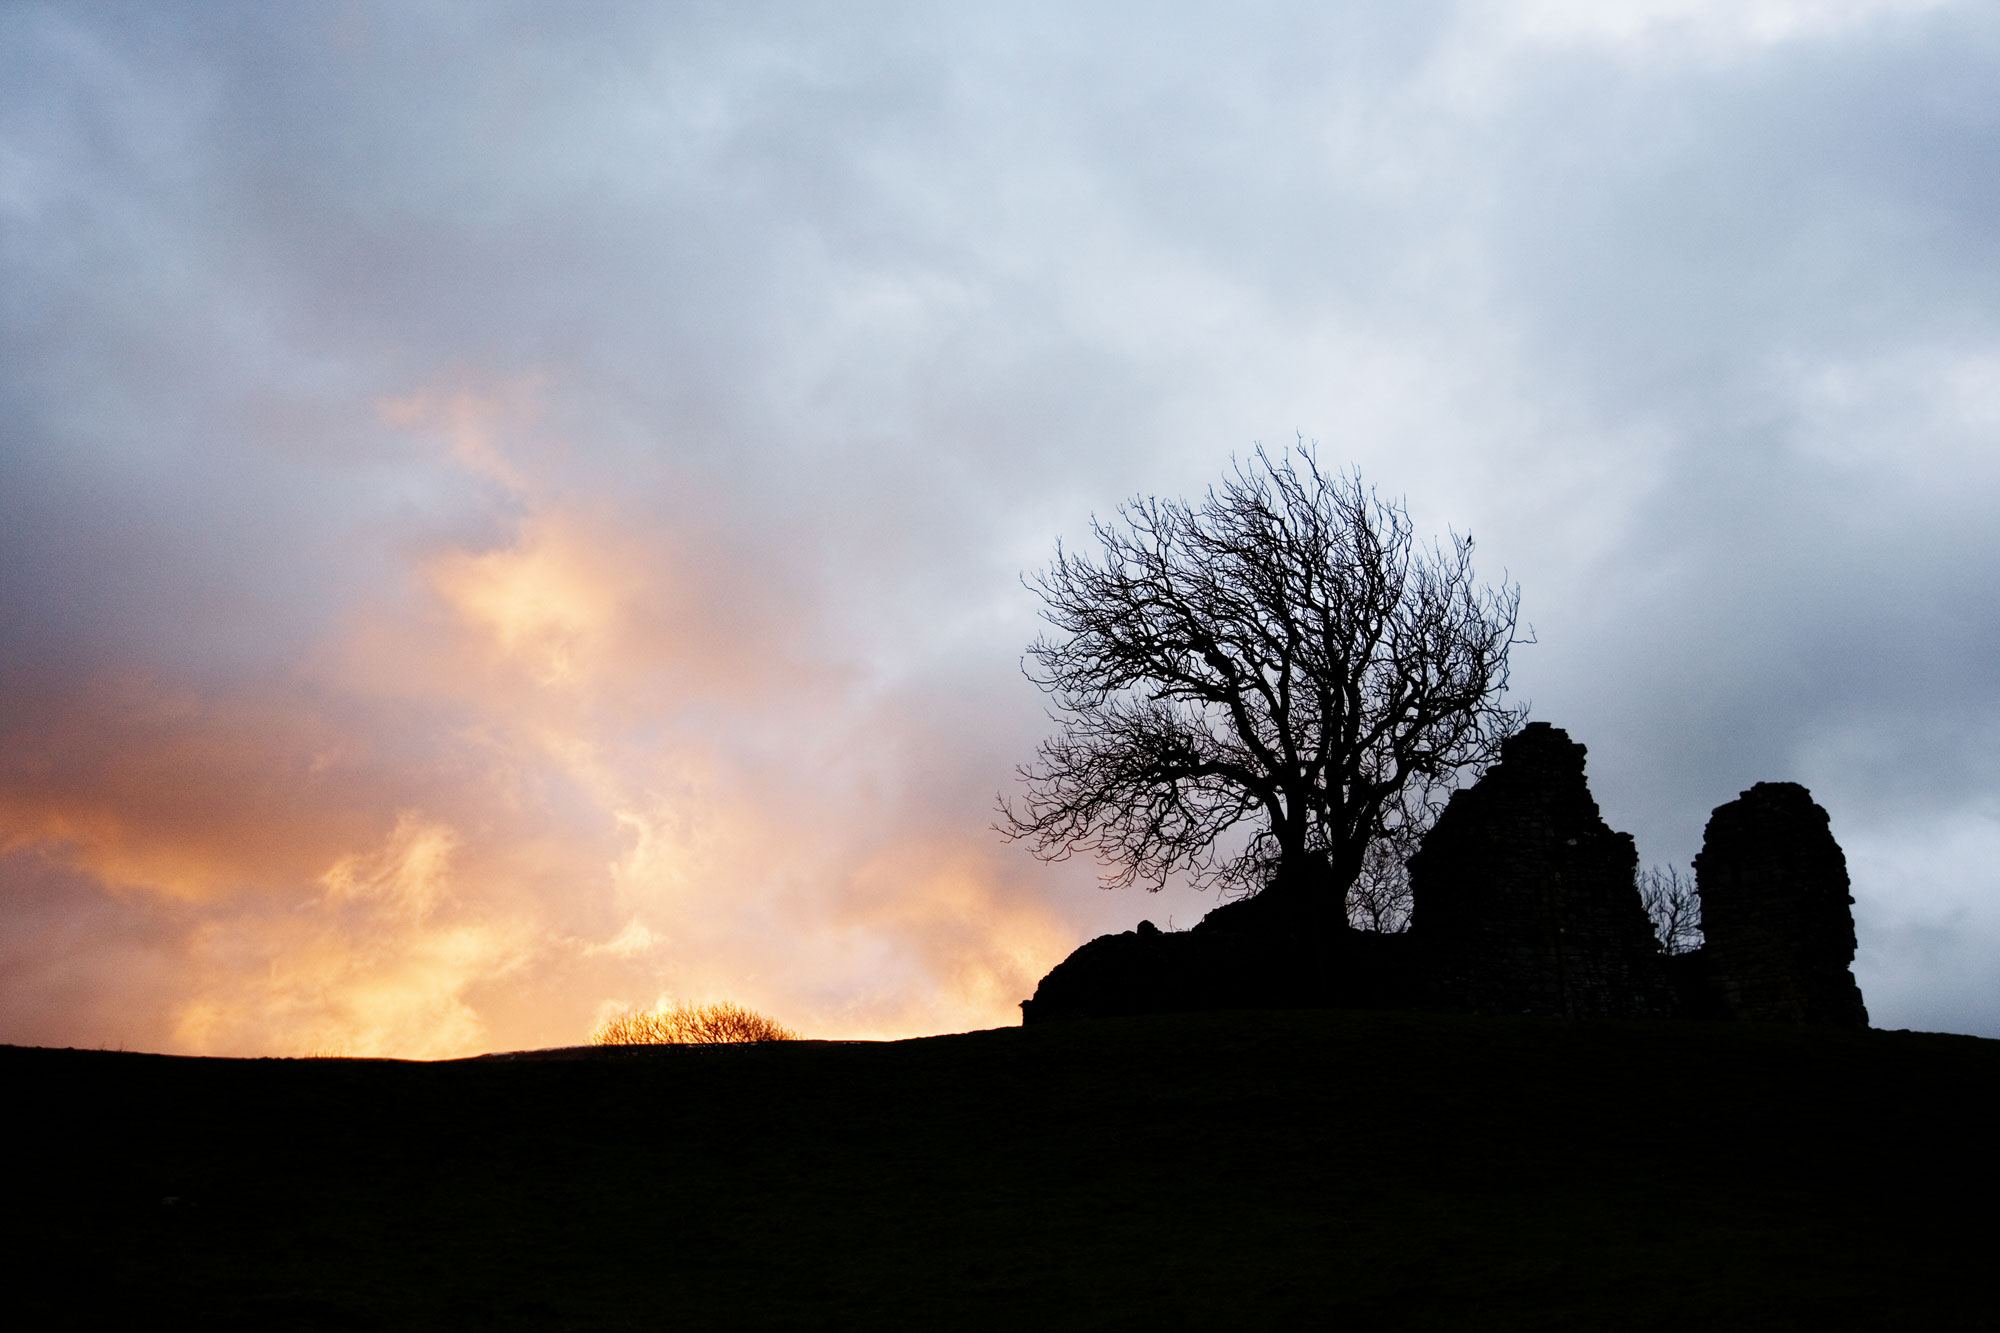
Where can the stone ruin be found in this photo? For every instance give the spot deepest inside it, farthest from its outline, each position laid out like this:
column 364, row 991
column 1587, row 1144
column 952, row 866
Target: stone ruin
column 1525, row 902
column 1775, row 911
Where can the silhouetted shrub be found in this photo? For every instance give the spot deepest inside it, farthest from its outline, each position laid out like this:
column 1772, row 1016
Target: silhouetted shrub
column 717, row 1024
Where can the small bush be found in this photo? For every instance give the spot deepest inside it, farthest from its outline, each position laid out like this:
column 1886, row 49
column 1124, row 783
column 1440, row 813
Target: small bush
column 690, row 1025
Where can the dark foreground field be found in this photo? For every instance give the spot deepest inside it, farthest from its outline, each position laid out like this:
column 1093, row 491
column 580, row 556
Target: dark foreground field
column 1238, row 1170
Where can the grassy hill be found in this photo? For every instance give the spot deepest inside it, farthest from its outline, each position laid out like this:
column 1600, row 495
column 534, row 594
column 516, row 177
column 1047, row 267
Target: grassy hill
column 1213, row 1170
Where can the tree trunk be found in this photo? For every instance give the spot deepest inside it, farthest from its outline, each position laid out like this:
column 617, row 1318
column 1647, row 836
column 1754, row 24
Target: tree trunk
column 1313, row 890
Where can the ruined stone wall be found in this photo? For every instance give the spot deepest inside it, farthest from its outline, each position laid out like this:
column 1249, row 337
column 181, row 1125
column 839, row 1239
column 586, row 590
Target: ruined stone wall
column 1525, row 901
column 1776, row 912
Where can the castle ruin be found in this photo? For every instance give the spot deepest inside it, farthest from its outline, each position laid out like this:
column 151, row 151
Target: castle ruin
column 1525, row 902
column 1776, row 912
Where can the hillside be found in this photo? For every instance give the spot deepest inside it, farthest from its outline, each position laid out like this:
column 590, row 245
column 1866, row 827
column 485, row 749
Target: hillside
column 1422, row 1171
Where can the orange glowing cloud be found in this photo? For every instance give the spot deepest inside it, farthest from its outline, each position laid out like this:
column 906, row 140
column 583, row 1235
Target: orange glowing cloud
column 168, row 790
column 601, row 757
column 380, row 963
column 540, row 602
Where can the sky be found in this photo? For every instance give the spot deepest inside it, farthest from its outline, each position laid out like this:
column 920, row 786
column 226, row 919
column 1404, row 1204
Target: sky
column 511, row 511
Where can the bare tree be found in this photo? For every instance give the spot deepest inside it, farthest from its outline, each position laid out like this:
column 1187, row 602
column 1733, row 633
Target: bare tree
column 1674, row 905
column 719, row 1024
column 1281, row 656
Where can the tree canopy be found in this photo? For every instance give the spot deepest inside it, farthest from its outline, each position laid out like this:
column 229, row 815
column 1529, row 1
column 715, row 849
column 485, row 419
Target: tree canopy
column 1282, row 658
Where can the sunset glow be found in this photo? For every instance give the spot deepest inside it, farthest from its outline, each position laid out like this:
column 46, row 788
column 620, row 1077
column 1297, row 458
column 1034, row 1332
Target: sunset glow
column 533, row 777
column 507, row 520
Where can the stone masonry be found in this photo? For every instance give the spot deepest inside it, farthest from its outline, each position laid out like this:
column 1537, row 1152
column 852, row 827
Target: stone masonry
column 1524, row 898
column 1776, row 912
column 1525, row 903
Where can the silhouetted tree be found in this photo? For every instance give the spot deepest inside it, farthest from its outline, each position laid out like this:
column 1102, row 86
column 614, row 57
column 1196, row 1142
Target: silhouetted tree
column 1282, row 656
column 719, row 1024
column 1674, row 905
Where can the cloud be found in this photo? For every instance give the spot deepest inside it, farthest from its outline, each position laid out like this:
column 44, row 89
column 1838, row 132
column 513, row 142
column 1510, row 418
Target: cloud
column 633, row 940
column 501, row 518
column 1646, row 26
column 570, row 755
column 380, row 963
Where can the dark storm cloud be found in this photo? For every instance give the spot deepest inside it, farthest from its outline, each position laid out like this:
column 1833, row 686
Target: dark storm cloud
column 502, row 502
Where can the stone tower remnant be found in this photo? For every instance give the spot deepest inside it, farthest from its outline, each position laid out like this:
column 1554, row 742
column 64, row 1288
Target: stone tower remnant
column 1525, row 902
column 1524, row 897
column 1776, row 912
